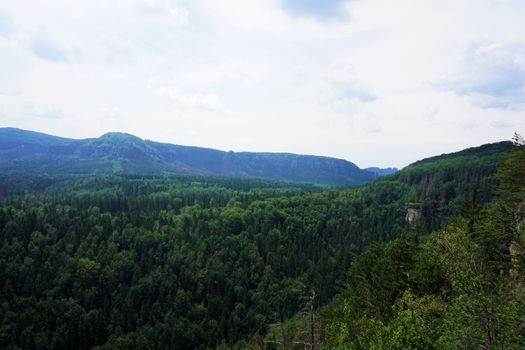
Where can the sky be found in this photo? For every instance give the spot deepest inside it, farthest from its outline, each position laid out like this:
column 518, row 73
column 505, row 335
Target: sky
column 376, row 82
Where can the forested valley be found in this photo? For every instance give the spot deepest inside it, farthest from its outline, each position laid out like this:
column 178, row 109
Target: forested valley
column 430, row 257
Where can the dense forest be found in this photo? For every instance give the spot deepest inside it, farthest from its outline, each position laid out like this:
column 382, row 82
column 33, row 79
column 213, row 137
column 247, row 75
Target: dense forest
column 461, row 287
column 429, row 257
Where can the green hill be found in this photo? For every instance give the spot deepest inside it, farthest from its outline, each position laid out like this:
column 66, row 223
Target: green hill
column 25, row 151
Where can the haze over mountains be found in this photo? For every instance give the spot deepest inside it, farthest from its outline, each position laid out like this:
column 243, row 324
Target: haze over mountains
column 28, row 151
column 381, row 171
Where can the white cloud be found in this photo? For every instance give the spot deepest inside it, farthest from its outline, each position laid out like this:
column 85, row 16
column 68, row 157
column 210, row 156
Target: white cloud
column 110, row 112
column 162, row 7
column 33, row 111
column 5, row 23
column 346, row 85
column 47, row 50
column 27, row 111
column 206, row 101
column 498, row 124
column 493, row 75
column 326, row 10
column 372, row 127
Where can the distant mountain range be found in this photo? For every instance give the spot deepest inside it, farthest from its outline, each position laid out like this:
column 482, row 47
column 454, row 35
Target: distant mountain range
column 28, row 151
column 381, row 171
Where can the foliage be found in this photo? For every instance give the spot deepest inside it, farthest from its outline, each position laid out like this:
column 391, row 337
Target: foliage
column 458, row 288
column 175, row 262
column 164, row 261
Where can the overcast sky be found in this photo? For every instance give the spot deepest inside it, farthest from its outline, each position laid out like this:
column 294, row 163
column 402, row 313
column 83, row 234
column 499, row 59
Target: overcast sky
column 376, row 82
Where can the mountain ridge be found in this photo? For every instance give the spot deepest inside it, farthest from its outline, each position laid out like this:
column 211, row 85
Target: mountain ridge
column 381, row 171
column 22, row 151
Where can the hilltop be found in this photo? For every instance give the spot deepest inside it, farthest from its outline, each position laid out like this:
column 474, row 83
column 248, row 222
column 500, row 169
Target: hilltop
column 27, row 151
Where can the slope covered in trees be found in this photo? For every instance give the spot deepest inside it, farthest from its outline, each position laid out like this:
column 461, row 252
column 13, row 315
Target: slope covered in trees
column 136, row 261
column 445, row 183
column 31, row 152
column 458, row 288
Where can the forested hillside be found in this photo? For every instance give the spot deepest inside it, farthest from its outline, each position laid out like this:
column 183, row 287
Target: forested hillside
column 459, row 288
column 445, row 183
column 25, row 152
column 150, row 261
